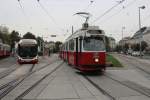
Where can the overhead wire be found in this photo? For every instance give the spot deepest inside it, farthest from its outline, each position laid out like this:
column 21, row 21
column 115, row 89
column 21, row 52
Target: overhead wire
column 117, row 13
column 24, row 13
column 107, row 11
column 22, row 9
column 91, row 2
column 84, row 10
column 49, row 15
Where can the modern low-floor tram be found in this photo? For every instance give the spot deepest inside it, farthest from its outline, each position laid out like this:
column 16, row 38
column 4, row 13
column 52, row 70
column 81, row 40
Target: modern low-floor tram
column 27, row 51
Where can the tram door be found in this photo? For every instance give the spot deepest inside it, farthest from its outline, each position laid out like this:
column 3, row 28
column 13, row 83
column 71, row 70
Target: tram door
column 71, row 53
column 77, row 53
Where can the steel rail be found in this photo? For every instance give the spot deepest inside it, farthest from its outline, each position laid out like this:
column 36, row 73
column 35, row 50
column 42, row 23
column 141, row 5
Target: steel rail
column 136, row 66
column 8, row 71
column 8, row 87
column 35, row 84
column 99, row 88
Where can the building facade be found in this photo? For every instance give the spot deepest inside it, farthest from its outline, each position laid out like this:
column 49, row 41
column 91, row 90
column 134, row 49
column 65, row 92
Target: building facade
column 141, row 35
column 112, row 43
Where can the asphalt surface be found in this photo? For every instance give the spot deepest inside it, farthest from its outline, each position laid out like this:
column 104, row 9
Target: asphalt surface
column 53, row 79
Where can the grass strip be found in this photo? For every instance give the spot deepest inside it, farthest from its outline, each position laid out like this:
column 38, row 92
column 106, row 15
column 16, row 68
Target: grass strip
column 113, row 60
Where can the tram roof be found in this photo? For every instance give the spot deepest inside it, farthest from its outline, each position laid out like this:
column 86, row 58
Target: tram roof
column 81, row 32
column 27, row 41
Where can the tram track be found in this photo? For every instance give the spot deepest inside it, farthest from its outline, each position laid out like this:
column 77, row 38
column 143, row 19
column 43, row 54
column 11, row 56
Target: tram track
column 38, row 82
column 8, row 71
column 5, row 85
column 133, row 86
column 5, row 60
column 8, row 87
column 135, row 65
column 9, row 67
column 99, row 88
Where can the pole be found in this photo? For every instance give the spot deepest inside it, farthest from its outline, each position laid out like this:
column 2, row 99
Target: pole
column 43, row 46
column 139, row 18
column 122, row 39
column 142, row 7
column 72, row 30
column 140, row 31
column 122, row 36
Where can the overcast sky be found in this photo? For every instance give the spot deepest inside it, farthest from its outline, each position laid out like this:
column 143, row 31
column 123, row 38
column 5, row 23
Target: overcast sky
column 58, row 16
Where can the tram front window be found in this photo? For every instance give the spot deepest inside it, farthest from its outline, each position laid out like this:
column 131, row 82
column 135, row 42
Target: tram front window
column 28, row 51
column 93, row 44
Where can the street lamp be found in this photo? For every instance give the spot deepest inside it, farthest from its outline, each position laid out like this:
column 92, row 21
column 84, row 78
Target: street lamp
column 123, row 28
column 141, row 7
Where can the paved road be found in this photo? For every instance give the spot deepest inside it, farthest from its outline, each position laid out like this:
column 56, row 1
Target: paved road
column 62, row 83
column 141, row 65
column 52, row 79
column 6, row 63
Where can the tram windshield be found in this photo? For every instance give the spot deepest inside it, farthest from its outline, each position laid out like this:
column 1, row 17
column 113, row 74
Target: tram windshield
column 28, row 51
column 93, row 44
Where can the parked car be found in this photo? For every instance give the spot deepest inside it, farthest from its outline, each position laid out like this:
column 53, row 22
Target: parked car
column 129, row 52
column 136, row 53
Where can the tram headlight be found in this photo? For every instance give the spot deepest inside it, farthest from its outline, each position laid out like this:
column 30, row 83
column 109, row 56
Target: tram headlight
column 96, row 60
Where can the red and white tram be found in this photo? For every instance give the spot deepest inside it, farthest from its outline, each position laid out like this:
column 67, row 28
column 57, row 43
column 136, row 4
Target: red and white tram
column 4, row 49
column 85, row 49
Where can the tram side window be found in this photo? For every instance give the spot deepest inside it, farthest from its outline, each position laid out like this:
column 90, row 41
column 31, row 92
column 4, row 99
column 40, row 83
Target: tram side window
column 66, row 46
column 1, row 47
column 71, row 45
column 63, row 47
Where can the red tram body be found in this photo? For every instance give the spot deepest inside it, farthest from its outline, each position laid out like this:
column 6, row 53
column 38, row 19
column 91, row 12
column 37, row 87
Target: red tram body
column 4, row 49
column 85, row 49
